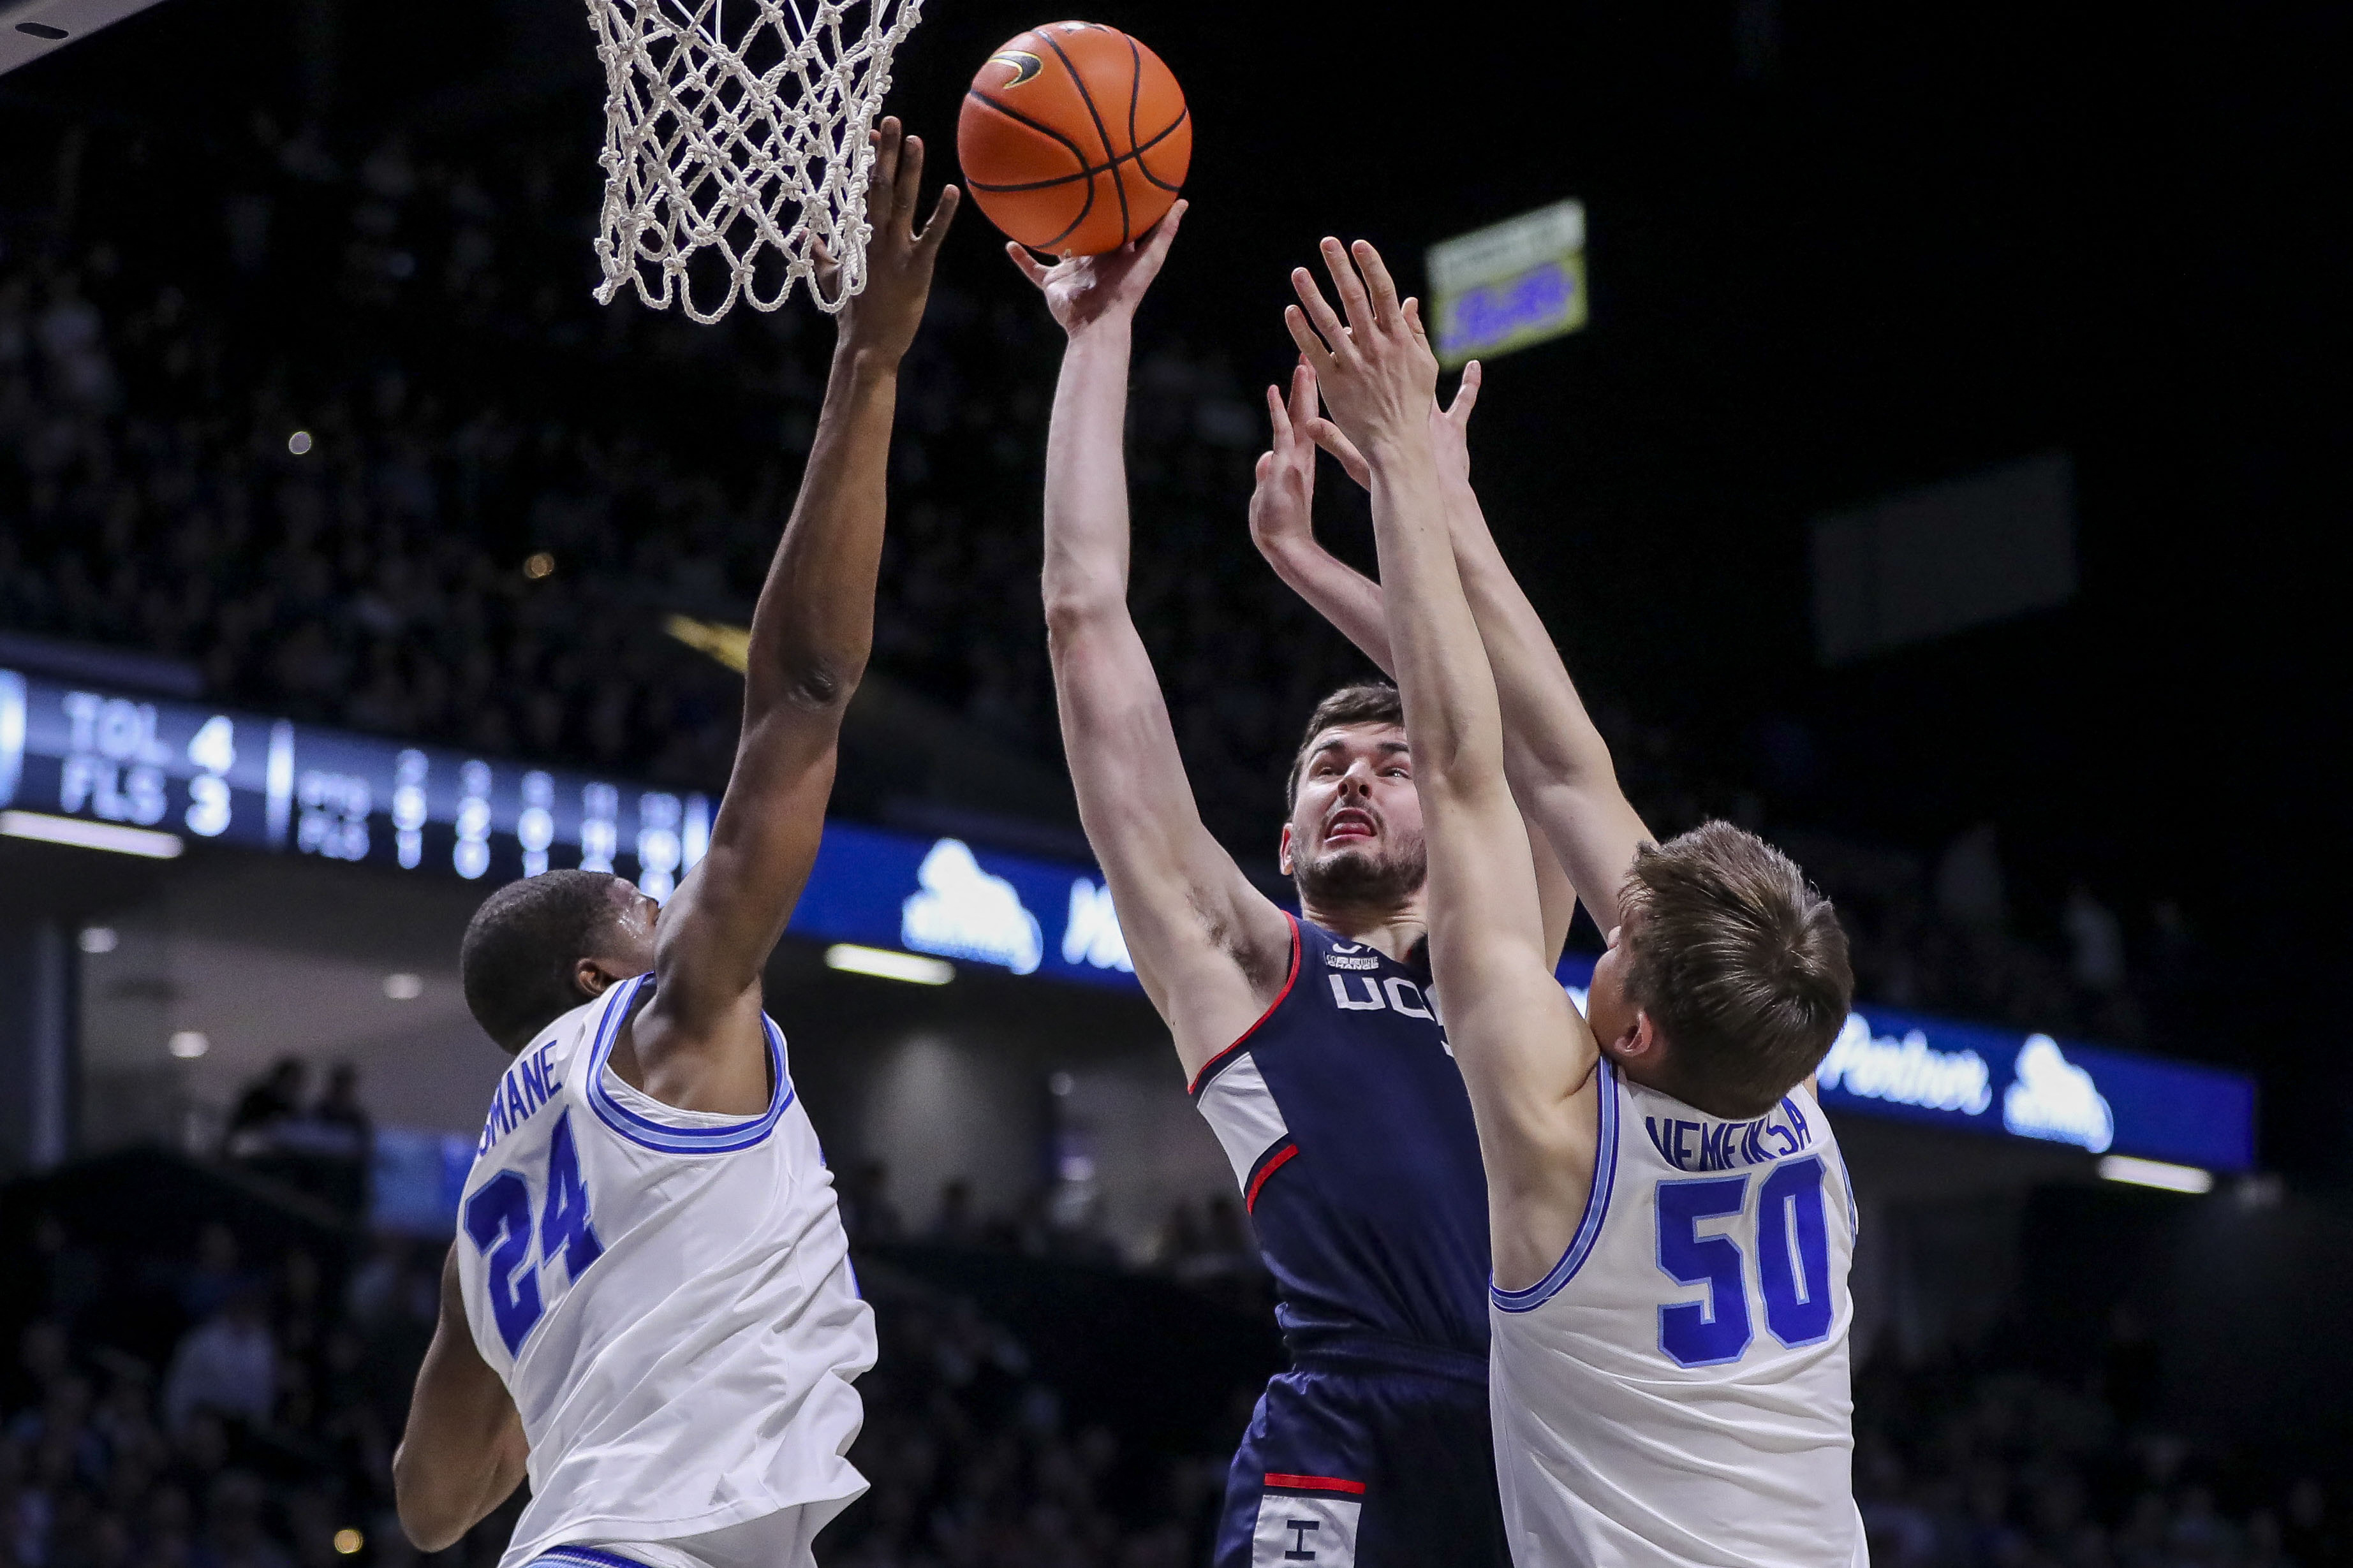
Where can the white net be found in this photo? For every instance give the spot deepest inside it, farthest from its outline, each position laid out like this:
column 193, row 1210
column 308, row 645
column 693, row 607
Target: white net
column 734, row 147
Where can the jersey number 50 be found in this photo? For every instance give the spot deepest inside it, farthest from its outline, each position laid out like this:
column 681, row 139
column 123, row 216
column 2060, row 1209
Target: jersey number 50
column 498, row 1220
column 1793, row 1263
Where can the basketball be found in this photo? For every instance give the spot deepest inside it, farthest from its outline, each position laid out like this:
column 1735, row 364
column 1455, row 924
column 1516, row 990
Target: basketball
column 1074, row 139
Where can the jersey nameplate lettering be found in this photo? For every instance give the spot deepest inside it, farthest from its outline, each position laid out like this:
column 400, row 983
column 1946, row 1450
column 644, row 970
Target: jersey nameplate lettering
column 1707, row 1144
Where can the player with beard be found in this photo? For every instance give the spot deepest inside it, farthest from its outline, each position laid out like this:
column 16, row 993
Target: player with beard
column 1313, row 1044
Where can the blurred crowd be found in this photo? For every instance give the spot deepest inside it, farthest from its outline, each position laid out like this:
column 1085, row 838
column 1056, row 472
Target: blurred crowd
column 1961, row 1469
column 344, row 429
column 248, row 1422
column 261, row 1433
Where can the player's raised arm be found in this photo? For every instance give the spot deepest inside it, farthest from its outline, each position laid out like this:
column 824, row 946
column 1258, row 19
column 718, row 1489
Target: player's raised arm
column 1210, row 949
column 699, row 1042
column 1283, row 526
column 1559, row 765
column 1526, row 1053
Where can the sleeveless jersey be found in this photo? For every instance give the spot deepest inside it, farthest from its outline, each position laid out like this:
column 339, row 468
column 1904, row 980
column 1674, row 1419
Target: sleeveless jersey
column 667, row 1295
column 1349, row 1131
column 1676, row 1392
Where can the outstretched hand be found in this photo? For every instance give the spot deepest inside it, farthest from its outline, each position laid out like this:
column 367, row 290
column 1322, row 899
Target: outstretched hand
column 1449, row 429
column 898, row 257
column 1085, row 289
column 1376, row 370
column 1282, row 506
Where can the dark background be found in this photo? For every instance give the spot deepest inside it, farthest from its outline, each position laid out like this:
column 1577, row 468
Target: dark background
column 1835, row 251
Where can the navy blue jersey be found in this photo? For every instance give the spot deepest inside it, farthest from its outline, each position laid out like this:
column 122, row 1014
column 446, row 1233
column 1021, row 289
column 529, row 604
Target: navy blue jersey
column 1349, row 1130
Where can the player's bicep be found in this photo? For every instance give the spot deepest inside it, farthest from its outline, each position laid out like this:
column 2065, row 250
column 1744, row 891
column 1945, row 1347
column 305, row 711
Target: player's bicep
column 1193, row 923
column 719, row 928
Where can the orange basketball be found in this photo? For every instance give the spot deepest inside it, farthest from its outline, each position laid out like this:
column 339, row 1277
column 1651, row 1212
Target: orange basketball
column 1074, row 139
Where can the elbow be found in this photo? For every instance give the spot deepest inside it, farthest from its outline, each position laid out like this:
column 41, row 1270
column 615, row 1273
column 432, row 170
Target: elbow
column 1072, row 608
column 429, row 1523
column 813, row 684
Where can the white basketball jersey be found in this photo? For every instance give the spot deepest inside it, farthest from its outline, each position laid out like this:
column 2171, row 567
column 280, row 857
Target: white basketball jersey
column 667, row 1296
column 1674, row 1394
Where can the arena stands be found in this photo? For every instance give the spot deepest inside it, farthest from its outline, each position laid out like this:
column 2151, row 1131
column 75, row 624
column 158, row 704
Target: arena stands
column 370, row 454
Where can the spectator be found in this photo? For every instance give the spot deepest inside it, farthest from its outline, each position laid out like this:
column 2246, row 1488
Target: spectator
column 269, row 1102
column 955, row 1223
column 227, row 1364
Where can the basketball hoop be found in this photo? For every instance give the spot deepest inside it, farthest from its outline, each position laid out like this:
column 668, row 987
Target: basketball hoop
column 746, row 142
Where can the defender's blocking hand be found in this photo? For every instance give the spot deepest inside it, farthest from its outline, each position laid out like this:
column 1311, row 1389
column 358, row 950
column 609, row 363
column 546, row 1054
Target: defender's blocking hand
column 1282, row 506
column 898, row 257
column 1449, row 429
column 1376, row 370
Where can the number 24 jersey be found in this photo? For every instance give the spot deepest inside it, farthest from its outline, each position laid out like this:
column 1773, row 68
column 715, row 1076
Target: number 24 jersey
column 667, row 1294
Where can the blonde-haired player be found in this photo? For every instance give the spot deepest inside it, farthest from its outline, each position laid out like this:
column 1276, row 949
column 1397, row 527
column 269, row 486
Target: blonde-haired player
column 1670, row 1217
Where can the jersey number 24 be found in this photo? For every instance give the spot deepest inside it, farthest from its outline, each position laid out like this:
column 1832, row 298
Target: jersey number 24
column 1793, row 1263
column 499, row 1222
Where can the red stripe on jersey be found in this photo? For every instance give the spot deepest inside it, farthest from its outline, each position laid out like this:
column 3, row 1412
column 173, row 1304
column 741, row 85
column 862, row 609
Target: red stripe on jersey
column 1214, row 1063
column 1314, row 1484
column 1250, row 1199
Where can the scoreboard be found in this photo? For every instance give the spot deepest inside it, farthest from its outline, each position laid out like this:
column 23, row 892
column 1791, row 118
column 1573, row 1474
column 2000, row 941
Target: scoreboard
column 177, row 771
column 78, row 759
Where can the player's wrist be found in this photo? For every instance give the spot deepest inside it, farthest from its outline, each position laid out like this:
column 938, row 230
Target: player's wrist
column 1107, row 328
column 864, row 360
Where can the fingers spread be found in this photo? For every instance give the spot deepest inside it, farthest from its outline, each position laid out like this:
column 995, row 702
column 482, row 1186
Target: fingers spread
column 1028, row 264
column 1382, row 287
column 1326, row 434
column 1311, row 300
column 1279, row 418
column 1348, row 286
column 1294, row 321
column 943, row 211
column 908, row 180
column 1466, row 393
column 1302, row 393
column 1164, row 232
column 883, row 186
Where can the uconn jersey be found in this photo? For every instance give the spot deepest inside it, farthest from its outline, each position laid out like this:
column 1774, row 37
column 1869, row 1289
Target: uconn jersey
column 667, row 1295
column 1349, row 1131
column 1676, row 1392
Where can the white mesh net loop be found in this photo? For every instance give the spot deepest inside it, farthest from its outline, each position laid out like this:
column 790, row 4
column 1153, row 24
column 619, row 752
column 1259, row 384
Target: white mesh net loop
column 749, row 143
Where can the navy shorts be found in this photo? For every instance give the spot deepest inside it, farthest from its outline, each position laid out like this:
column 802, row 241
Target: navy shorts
column 1354, row 1462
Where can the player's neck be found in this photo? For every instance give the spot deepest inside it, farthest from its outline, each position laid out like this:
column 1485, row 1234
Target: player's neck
column 1391, row 929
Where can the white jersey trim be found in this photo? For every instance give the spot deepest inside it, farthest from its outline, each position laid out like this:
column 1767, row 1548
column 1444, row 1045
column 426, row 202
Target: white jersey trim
column 721, row 1138
column 1597, row 1209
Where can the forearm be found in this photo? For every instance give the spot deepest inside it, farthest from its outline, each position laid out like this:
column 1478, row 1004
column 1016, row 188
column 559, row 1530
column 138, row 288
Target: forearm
column 1434, row 639
column 1542, row 708
column 813, row 625
column 1086, row 476
column 1343, row 595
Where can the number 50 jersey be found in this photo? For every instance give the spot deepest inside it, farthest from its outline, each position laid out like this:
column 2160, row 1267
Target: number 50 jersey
column 1675, row 1393
column 667, row 1295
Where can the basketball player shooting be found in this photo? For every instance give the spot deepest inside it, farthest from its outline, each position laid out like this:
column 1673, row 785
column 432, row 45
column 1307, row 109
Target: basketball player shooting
column 1312, row 1044
column 1640, row 1418
column 648, row 1307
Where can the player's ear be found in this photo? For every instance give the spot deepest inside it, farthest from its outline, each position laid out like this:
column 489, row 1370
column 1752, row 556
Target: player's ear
column 590, row 977
column 1282, row 851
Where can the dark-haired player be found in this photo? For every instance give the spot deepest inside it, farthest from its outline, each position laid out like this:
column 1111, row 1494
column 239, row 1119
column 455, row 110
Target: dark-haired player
column 649, row 1307
column 1670, row 1214
column 1312, row 1044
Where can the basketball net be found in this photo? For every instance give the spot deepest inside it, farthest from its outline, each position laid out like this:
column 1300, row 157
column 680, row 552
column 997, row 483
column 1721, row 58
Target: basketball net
column 748, row 140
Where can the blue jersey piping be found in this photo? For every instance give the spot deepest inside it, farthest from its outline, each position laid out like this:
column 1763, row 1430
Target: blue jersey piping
column 1597, row 1209
column 724, row 1139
